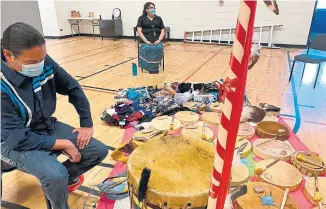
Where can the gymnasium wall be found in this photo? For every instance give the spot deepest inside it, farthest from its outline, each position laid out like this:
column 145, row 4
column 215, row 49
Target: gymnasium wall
column 196, row 15
column 20, row 11
column 48, row 15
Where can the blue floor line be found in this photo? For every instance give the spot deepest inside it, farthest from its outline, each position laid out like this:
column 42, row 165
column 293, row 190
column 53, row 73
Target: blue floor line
column 295, row 99
column 290, row 116
column 308, row 106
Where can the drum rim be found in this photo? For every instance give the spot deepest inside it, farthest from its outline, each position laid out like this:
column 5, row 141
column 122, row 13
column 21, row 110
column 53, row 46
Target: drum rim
column 293, row 187
column 287, row 157
column 295, row 160
column 258, row 129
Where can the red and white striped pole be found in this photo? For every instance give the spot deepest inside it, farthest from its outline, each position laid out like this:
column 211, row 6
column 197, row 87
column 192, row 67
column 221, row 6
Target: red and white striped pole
column 233, row 97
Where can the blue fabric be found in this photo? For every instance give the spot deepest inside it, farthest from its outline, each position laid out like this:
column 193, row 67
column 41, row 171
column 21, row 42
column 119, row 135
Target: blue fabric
column 150, row 57
column 39, row 101
column 15, row 100
column 133, row 95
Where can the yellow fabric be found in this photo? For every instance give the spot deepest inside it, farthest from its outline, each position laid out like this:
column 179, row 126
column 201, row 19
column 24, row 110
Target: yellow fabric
column 121, row 179
column 119, row 155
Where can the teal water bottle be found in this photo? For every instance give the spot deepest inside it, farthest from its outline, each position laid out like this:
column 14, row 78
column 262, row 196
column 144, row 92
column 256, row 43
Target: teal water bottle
column 134, row 69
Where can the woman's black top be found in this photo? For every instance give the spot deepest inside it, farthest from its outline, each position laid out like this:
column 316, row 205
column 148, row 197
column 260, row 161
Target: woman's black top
column 151, row 28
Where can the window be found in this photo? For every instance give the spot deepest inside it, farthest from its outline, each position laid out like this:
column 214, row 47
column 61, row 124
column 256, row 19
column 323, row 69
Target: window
column 321, row 4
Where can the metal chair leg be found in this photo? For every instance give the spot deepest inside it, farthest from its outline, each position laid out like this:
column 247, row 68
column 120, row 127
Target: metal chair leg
column 317, row 75
column 304, row 67
column 163, row 62
column 292, row 70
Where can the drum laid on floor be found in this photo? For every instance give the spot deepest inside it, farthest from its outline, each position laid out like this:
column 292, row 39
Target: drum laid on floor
column 211, row 118
column 162, row 123
column 306, row 168
column 181, row 170
column 281, row 174
column 273, row 149
column 269, row 197
column 197, row 132
column 246, row 131
column 187, row 118
column 310, row 189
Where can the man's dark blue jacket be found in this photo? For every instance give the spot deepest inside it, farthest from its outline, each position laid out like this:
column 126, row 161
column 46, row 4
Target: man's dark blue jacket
column 27, row 105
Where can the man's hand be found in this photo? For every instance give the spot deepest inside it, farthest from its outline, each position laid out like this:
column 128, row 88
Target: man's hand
column 84, row 136
column 74, row 154
column 157, row 42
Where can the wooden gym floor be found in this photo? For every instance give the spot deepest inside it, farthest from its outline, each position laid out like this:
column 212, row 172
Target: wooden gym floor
column 107, row 65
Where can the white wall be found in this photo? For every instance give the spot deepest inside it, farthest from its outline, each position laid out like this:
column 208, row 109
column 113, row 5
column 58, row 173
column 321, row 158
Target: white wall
column 20, row 11
column 196, row 15
column 48, row 15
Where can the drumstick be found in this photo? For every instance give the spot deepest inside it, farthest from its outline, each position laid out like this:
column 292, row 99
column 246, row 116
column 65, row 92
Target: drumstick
column 320, row 205
column 265, row 142
column 305, row 160
column 317, row 196
column 285, row 197
column 67, row 155
column 203, row 135
column 172, row 123
column 260, row 171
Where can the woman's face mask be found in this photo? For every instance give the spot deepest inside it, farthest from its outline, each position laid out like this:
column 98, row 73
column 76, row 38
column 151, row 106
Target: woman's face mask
column 152, row 11
column 31, row 70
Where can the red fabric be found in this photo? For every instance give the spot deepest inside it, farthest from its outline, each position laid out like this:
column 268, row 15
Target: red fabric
column 119, row 167
column 297, row 144
column 76, row 186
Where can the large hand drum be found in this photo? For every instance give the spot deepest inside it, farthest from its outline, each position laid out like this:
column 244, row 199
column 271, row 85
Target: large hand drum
column 181, row 170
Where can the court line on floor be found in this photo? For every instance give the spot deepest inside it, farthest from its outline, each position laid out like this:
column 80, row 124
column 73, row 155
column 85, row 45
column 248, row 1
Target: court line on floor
column 89, row 55
column 295, row 99
column 262, row 89
column 113, row 91
column 65, row 42
column 308, row 106
column 202, row 65
column 105, row 69
column 87, row 51
column 105, row 89
column 290, row 117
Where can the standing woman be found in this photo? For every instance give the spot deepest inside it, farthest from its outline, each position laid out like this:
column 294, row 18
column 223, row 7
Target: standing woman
column 151, row 31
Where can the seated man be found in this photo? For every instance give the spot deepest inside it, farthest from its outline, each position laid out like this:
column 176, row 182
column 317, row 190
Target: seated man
column 151, row 31
column 30, row 138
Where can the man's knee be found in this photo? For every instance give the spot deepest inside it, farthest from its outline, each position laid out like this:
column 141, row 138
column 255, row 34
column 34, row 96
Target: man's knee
column 102, row 151
column 57, row 177
column 97, row 150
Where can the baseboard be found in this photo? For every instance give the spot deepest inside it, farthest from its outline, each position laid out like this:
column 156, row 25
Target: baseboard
column 171, row 39
column 57, row 37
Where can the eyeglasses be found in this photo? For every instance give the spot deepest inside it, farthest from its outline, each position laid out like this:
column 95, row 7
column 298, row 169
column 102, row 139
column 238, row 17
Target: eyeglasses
column 151, row 8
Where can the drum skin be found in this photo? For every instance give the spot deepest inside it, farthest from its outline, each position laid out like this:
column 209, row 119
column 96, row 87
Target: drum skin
column 181, row 170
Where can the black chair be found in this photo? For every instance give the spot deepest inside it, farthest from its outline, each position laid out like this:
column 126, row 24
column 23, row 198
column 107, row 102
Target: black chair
column 162, row 61
column 318, row 43
column 6, row 168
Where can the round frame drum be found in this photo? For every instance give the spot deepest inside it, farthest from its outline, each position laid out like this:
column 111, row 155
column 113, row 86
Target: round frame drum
column 306, row 168
column 181, row 170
